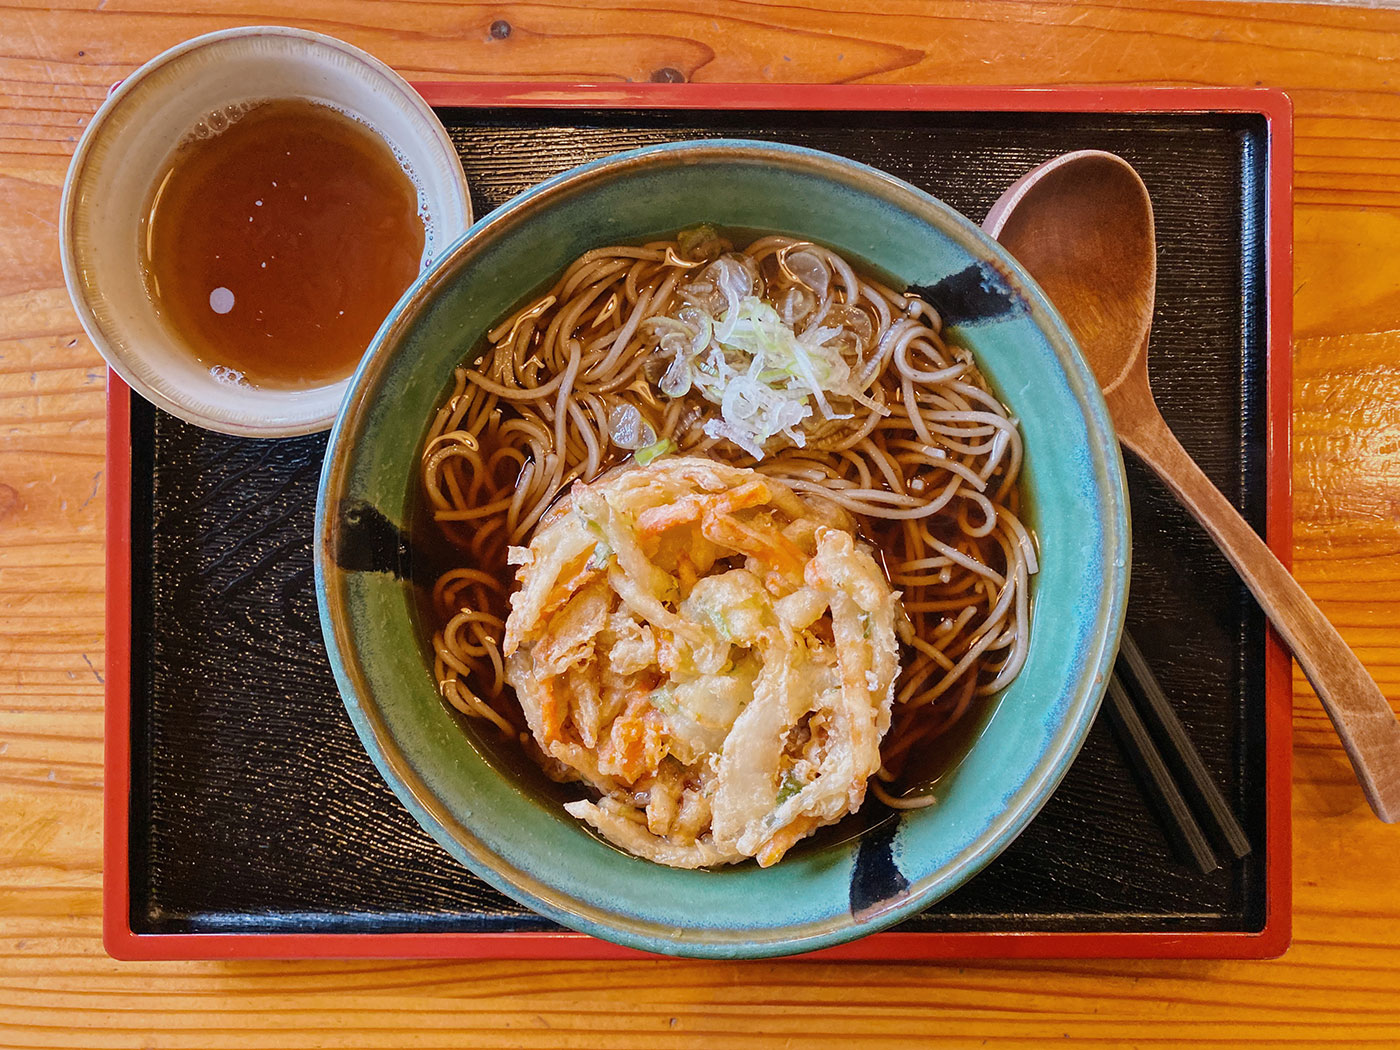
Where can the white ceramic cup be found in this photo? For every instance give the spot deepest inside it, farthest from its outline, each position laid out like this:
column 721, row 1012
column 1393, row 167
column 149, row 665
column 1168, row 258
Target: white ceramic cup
column 128, row 145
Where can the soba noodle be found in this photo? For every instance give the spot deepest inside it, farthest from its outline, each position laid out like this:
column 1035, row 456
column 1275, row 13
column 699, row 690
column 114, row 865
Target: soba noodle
column 918, row 449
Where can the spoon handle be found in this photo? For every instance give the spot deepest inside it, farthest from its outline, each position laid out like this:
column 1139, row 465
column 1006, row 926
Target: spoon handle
column 1363, row 719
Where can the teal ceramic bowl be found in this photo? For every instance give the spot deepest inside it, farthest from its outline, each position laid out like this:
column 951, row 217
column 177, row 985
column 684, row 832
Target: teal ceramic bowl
column 501, row 819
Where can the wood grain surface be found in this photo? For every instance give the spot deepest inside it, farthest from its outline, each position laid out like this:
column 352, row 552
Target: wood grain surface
column 1340, row 982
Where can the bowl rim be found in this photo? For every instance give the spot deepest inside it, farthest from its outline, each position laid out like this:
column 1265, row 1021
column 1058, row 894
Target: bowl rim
column 77, row 171
column 1086, row 692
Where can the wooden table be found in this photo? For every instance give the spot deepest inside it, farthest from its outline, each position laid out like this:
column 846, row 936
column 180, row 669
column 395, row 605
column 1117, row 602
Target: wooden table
column 1339, row 983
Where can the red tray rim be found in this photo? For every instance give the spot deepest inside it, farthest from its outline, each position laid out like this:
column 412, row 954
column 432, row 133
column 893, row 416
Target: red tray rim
column 121, row 942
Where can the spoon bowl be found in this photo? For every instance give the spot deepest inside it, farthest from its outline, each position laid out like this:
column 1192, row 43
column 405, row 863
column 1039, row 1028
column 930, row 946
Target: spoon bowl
column 1082, row 225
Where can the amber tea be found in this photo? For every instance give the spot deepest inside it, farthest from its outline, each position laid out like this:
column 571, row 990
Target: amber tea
column 276, row 240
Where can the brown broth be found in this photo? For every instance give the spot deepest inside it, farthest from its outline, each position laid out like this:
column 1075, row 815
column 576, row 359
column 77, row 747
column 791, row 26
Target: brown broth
column 276, row 246
column 929, row 769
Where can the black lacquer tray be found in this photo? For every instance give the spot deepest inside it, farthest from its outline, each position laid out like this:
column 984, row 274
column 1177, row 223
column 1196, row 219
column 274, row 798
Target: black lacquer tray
column 245, row 819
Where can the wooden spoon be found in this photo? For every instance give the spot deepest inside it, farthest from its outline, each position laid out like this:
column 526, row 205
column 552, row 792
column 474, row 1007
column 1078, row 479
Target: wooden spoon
column 1081, row 224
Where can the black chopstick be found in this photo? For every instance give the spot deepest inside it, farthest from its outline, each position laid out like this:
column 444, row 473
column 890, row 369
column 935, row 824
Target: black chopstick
column 1176, row 817
column 1180, row 754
